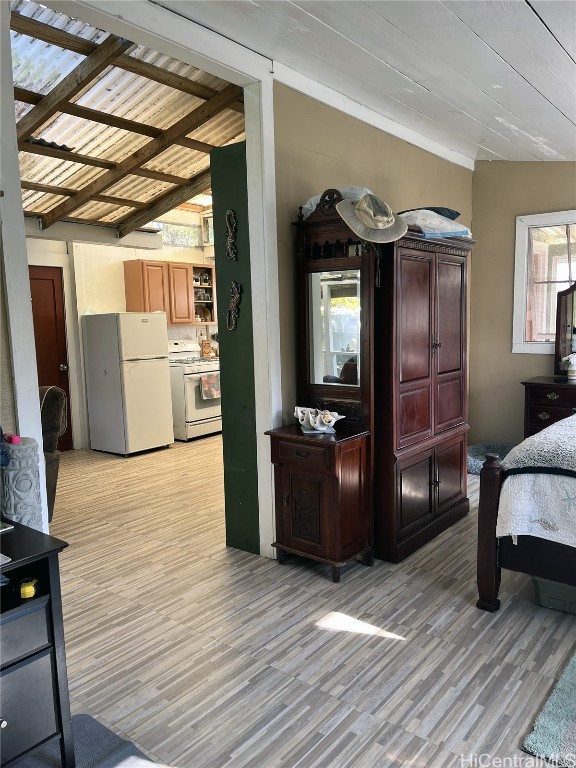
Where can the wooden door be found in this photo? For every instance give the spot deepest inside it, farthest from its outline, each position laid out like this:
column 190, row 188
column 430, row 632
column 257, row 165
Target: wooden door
column 47, row 291
column 449, row 343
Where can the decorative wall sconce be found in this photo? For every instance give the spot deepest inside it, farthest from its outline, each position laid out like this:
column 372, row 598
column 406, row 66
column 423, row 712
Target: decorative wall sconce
column 231, row 230
column 233, row 307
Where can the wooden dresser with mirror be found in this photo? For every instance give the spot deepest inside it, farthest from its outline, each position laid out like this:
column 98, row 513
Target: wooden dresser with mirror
column 549, row 399
column 382, row 339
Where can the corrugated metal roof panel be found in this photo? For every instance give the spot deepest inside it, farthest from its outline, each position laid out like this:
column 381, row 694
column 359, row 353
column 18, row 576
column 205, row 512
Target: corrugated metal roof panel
column 131, row 187
column 40, row 202
column 38, row 66
column 101, row 211
column 48, row 170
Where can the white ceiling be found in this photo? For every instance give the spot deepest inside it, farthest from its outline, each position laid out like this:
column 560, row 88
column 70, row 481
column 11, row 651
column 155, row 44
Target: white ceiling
column 490, row 79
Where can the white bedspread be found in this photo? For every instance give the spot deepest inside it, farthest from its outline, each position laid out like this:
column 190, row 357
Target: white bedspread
column 538, row 496
column 539, row 505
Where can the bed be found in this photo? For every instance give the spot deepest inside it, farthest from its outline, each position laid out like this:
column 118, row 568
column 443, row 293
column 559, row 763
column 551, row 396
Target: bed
column 527, row 512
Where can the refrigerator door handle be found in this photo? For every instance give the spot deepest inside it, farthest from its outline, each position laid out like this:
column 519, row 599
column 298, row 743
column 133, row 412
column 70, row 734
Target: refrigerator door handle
column 144, row 357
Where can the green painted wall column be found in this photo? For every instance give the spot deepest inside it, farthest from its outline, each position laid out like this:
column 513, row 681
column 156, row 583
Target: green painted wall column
column 229, row 193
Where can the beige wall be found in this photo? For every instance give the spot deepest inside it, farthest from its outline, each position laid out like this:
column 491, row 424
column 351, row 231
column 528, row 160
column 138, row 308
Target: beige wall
column 318, row 147
column 502, row 191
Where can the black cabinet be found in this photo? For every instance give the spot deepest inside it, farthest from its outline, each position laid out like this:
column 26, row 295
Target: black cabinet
column 547, row 399
column 34, row 700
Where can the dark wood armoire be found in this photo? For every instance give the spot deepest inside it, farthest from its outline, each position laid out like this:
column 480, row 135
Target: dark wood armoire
column 411, row 392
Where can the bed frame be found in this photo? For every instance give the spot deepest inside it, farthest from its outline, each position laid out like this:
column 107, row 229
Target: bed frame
column 536, row 557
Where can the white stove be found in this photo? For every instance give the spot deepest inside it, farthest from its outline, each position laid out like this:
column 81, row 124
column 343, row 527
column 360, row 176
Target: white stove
column 193, row 414
column 197, row 364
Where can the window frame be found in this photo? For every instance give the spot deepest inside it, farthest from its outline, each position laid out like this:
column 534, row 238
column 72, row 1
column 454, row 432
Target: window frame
column 523, row 224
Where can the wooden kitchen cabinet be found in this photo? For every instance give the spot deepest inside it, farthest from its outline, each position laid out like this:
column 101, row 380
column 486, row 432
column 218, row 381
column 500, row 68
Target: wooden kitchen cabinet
column 34, row 699
column 146, row 286
column 204, row 285
column 181, row 294
column 185, row 291
column 322, row 495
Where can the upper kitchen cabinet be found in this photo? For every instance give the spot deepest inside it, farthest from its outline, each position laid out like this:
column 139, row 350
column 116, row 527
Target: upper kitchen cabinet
column 146, row 286
column 204, row 294
column 185, row 291
column 181, row 295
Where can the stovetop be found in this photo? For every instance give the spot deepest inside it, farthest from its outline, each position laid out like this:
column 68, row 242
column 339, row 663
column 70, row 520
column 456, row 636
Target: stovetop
column 195, row 364
column 177, row 360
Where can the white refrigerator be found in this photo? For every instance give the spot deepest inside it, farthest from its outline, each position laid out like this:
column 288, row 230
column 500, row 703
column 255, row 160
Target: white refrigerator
column 127, row 381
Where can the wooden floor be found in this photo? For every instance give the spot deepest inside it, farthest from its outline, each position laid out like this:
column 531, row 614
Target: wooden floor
column 206, row 656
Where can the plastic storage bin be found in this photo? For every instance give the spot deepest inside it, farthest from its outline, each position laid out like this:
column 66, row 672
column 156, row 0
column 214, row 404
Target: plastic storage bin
column 551, row 594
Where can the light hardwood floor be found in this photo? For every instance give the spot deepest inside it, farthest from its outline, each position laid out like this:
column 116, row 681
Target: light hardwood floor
column 206, row 656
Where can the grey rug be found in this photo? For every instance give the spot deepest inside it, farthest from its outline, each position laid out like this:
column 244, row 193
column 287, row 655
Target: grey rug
column 95, row 747
column 476, row 454
column 554, row 733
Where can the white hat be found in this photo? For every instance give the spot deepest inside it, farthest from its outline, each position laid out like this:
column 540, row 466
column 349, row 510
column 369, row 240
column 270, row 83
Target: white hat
column 372, row 219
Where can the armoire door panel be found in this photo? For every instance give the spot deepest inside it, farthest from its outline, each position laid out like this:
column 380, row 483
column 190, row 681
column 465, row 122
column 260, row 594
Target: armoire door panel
column 451, row 475
column 415, row 317
column 450, row 328
column 414, row 493
column 450, row 405
column 414, row 415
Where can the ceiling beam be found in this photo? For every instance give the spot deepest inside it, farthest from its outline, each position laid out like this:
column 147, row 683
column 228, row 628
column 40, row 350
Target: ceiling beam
column 69, row 192
column 191, row 207
column 49, row 189
column 94, row 115
column 83, row 74
column 147, row 152
column 167, row 202
column 62, row 154
column 74, row 157
column 83, row 231
column 123, row 202
column 167, row 178
column 26, row 26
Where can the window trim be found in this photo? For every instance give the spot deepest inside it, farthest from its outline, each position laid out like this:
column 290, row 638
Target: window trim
column 523, row 223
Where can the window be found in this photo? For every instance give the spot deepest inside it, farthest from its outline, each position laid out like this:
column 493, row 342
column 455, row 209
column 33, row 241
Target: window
column 208, row 230
column 180, row 235
column 545, row 264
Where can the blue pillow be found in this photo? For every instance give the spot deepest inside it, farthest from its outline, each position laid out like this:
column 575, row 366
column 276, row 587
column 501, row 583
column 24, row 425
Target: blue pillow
column 448, row 213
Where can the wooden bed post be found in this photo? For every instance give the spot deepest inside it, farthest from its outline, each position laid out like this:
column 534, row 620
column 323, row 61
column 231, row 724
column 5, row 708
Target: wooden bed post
column 488, row 570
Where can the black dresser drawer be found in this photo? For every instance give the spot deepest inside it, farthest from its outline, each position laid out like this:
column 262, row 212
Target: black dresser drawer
column 302, row 453
column 553, row 395
column 24, row 630
column 543, row 416
column 27, row 705
column 548, row 399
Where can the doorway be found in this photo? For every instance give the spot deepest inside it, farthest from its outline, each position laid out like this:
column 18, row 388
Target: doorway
column 254, row 76
column 47, row 292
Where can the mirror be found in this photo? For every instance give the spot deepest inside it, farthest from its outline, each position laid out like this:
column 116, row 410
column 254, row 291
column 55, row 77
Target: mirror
column 334, row 326
column 565, row 327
